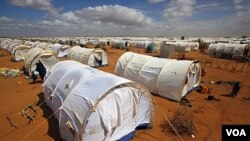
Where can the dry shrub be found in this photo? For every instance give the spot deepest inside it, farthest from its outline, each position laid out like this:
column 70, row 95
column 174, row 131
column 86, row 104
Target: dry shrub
column 182, row 122
column 1, row 54
column 203, row 46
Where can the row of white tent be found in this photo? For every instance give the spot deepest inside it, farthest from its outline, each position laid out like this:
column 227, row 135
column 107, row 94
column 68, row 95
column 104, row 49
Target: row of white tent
column 17, row 50
column 228, row 50
column 105, row 40
column 91, row 57
column 171, row 78
column 93, row 105
column 132, row 67
column 180, row 45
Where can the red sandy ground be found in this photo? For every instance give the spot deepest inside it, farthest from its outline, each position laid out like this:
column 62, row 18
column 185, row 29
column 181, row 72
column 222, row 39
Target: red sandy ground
column 16, row 93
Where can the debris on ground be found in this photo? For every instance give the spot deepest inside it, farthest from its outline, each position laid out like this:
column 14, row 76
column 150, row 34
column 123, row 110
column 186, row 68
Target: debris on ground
column 30, row 112
column 11, row 123
column 185, row 102
column 203, row 89
column 7, row 72
column 210, row 98
column 182, row 121
column 246, row 98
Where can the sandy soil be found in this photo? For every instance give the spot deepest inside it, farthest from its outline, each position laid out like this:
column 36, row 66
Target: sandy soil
column 208, row 116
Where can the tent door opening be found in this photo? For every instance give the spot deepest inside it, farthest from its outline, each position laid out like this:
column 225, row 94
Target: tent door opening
column 98, row 58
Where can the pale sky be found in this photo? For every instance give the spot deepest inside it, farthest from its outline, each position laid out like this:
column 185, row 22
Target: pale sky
column 35, row 18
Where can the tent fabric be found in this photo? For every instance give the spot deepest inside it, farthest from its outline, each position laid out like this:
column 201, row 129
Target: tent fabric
column 35, row 55
column 168, row 78
column 167, row 50
column 91, row 57
column 194, row 45
column 12, row 46
column 151, row 48
column 122, row 45
column 142, row 44
column 60, row 50
column 94, row 105
column 181, row 46
column 19, row 52
column 3, row 43
column 227, row 50
column 54, row 76
column 211, row 49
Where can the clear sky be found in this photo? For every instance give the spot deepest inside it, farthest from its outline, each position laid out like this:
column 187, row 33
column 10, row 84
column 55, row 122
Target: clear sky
column 35, row 18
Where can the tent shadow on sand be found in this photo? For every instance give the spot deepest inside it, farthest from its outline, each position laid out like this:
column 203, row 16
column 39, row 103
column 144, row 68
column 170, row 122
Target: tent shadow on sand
column 36, row 82
column 53, row 128
column 226, row 95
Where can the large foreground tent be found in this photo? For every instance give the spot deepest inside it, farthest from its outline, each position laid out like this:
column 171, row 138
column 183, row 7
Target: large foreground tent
column 168, row 78
column 58, row 74
column 38, row 59
column 91, row 57
column 93, row 105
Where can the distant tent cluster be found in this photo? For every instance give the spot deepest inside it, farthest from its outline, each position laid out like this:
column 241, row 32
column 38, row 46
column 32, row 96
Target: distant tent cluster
column 93, row 105
column 39, row 57
column 233, row 51
column 17, row 49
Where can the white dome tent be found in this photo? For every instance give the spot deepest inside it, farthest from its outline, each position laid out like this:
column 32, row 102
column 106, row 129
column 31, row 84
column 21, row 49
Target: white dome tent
column 55, row 76
column 35, row 44
column 60, row 50
column 42, row 45
column 168, row 78
column 37, row 56
column 211, row 49
column 20, row 52
column 167, row 50
column 12, row 46
column 227, row 50
column 4, row 43
column 91, row 57
column 99, row 105
column 194, row 45
column 182, row 47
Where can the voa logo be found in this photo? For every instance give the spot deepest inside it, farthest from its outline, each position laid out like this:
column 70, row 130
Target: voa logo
column 236, row 132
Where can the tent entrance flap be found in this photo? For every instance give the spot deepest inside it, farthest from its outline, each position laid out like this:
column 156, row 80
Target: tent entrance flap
column 98, row 57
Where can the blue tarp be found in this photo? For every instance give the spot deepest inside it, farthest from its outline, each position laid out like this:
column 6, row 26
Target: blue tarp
column 131, row 135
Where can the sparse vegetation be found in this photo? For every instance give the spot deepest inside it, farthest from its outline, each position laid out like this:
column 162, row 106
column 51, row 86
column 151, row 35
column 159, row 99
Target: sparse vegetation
column 182, row 122
column 203, row 46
